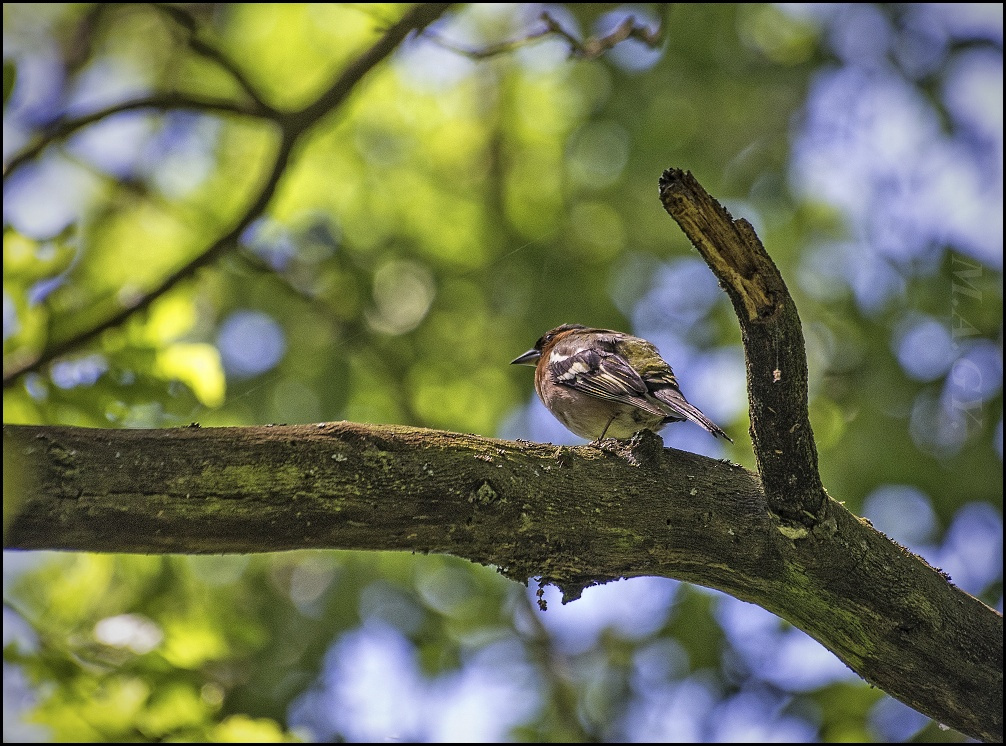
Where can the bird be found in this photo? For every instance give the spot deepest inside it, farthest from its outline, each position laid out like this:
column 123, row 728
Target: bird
column 601, row 382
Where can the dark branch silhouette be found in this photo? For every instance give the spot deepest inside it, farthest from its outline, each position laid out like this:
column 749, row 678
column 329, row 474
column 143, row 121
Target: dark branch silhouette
column 587, row 49
column 292, row 125
column 61, row 129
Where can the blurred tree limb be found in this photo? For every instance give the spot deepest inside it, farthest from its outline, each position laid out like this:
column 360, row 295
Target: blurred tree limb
column 573, row 516
column 62, row 129
column 292, row 127
column 586, row 49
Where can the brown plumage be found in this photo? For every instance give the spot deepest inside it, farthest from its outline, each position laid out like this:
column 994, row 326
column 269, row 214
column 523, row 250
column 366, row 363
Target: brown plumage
column 599, row 382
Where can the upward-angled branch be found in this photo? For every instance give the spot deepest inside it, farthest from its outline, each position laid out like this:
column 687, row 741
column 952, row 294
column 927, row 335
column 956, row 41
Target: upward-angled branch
column 588, row 49
column 190, row 27
column 783, row 442
column 773, row 348
column 140, row 302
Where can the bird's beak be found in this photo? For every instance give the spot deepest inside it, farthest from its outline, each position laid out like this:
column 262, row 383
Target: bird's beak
column 530, row 357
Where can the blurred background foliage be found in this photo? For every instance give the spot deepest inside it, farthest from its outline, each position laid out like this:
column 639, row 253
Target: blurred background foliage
column 454, row 208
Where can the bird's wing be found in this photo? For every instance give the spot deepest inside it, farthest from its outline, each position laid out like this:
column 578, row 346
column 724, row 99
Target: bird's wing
column 606, row 375
column 681, row 408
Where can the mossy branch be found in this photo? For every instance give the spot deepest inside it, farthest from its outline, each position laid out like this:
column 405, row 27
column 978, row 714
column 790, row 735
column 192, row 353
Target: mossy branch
column 572, row 516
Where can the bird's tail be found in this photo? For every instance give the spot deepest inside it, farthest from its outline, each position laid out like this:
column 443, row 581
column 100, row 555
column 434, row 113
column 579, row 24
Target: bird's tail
column 676, row 402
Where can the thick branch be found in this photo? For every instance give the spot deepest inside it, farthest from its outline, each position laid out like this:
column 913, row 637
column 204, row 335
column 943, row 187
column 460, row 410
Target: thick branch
column 574, row 516
column 773, row 347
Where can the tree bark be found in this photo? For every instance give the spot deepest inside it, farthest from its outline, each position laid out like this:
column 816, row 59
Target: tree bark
column 573, row 516
column 781, row 435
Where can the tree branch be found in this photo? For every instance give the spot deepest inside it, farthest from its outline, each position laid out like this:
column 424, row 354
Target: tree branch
column 64, row 128
column 573, row 516
column 776, row 361
column 190, row 27
column 293, row 127
column 588, row 49
column 54, row 350
column 416, row 19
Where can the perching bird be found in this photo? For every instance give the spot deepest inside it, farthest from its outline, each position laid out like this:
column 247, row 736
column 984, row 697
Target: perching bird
column 599, row 382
